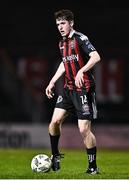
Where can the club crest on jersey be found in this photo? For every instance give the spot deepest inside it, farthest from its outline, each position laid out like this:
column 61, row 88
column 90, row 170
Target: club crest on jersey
column 61, row 47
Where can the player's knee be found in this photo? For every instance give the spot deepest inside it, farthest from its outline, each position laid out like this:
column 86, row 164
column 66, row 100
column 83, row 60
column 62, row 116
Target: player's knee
column 55, row 122
column 84, row 130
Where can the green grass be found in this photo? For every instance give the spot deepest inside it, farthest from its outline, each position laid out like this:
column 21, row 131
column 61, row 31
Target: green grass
column 15, row 164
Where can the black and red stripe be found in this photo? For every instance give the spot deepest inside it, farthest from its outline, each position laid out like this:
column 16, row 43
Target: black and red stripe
column 69, row 73
column 72, row 63
column 81, row 64
column 74, row 59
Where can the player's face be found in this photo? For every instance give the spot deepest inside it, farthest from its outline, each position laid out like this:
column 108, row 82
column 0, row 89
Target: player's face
column 64, row 27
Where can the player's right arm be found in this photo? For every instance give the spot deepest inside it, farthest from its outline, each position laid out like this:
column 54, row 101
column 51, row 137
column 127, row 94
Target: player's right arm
column 60, row 71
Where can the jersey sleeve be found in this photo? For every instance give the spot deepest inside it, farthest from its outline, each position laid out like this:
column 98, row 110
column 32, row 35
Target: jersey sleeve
column 86, row 44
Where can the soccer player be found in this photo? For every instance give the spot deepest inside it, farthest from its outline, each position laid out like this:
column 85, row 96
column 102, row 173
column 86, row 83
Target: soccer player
column 78, row 95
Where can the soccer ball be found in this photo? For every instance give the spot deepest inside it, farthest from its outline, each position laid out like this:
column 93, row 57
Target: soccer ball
column 41, row 163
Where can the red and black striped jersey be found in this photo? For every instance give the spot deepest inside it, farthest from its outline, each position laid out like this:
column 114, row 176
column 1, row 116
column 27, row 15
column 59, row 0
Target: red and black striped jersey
column 75, row 51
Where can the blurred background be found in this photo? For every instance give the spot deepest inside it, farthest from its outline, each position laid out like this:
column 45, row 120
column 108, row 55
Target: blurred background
column 29, row 57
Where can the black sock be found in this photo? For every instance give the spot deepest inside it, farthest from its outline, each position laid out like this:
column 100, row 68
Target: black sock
column 54, row 144
column 92, row 157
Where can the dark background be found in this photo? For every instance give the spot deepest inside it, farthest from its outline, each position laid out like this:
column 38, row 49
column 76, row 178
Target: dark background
column 29, row 56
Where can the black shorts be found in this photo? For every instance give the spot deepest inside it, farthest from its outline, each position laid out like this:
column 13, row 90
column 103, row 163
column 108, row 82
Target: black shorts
column 80, row 103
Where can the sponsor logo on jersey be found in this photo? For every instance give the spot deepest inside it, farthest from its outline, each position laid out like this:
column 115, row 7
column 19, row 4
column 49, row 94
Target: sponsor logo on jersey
column 70, row 58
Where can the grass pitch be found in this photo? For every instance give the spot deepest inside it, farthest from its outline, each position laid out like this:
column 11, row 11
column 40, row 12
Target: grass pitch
column 15, row 164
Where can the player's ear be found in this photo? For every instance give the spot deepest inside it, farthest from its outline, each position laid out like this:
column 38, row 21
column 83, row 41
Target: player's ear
column 71, row 23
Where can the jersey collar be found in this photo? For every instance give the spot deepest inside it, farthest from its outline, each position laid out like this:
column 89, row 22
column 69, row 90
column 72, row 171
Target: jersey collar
column 71, row 33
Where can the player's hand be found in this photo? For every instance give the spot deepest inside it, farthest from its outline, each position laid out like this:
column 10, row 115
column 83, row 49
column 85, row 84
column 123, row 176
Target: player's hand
column 49, row 90
column 79, row 79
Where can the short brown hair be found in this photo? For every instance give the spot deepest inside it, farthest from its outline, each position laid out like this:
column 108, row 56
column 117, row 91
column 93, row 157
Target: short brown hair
column 64, row 14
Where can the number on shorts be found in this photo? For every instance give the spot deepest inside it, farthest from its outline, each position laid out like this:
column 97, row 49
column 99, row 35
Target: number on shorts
column 83, row 99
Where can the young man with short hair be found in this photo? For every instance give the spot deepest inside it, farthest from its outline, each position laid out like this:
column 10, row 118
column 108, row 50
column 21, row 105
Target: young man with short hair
column 78, row 95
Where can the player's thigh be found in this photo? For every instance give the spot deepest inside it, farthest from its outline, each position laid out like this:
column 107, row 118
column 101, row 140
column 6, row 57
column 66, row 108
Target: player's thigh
column 84, row 125
column 59, row 115
column 83, row 103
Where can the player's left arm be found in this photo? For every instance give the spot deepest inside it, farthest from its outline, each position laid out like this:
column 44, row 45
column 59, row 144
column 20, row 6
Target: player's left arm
column 93, row 55
column 94, row 58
